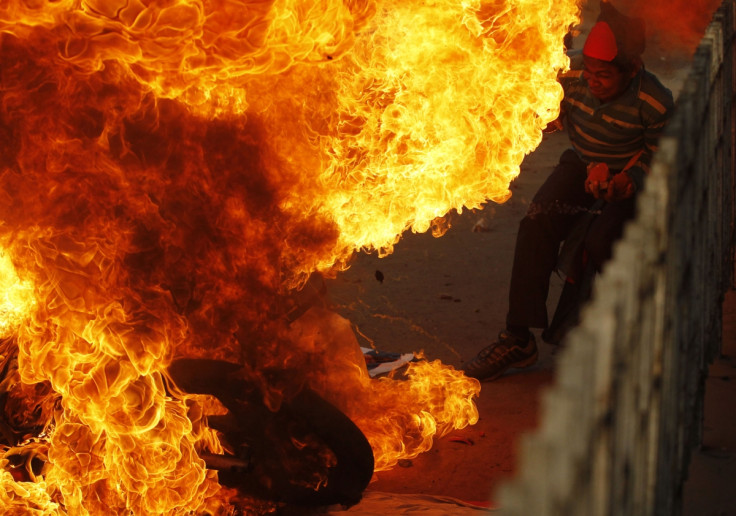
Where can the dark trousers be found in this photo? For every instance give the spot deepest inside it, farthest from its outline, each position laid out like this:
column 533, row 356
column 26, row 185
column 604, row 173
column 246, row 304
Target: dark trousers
column 557, row 207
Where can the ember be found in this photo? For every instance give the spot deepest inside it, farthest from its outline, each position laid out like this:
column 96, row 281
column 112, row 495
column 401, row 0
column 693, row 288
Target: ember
column 173, row 173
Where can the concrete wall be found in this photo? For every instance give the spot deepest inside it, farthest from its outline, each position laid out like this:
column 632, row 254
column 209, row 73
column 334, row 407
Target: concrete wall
column 625, row 411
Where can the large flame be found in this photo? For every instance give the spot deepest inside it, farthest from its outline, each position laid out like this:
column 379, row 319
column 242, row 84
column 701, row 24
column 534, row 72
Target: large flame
column 170, row 170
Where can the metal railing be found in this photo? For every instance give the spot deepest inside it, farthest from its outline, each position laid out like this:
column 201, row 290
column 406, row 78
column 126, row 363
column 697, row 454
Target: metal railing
column 618, row 425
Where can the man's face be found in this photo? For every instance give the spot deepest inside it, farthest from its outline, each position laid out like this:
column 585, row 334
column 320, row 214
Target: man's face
column 605, row 80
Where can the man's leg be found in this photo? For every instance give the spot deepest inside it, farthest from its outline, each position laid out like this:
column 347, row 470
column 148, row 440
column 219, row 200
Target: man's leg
column 557, row 206
column 606, row 229
column 560, row 201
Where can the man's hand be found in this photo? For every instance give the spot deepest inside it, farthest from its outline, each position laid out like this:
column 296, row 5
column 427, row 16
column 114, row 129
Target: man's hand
column 598, row 179
column 620, row 187
column 553, row 126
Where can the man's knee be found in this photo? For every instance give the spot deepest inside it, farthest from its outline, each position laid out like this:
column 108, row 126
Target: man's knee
column 533, row 225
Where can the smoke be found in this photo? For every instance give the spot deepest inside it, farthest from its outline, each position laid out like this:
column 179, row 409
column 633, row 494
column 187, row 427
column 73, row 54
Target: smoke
column 673, row 26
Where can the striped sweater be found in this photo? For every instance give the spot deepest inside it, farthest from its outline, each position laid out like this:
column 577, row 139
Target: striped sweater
column 614, row 132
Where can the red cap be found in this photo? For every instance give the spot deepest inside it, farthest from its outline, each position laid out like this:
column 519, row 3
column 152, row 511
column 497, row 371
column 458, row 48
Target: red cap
column 601, row 43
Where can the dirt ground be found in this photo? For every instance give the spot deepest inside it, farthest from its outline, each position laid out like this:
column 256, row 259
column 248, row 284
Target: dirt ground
column 447, row 297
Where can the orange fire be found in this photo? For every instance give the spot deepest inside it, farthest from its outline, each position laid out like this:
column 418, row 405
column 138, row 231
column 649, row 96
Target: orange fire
column 171, row 172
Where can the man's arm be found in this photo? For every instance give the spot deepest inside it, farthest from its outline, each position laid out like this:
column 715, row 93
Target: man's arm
column 657, row 107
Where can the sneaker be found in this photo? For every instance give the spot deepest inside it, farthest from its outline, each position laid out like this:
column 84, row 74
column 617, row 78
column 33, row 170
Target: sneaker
column 494, row 360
